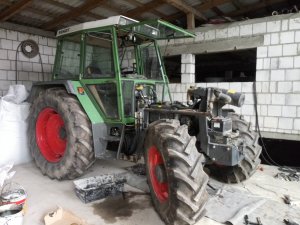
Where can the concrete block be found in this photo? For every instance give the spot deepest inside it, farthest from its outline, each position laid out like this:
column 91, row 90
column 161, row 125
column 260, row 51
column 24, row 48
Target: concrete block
column 27, row 84
column 15, row 45
column 267, row 39
column 287, row 37
column 262, row 75
column 259, row 64
column 43, row 40
column 187, row 78
column 22, row 75
column 52, row 42
column 182, row 68
column 277, row 75
column 36, row 67
column 284, row 25
column 297, row 61
column 298, row 111
column 248, row 110
column 45, row 59
column 289, row 49
column 273, row 86
column 285, row 123
column 11, row 54
column 263, row 99
column 249, row 98
column 2, row 33
column 293, row 99
column 4, row 64
column 179, row 41
column 294, row 24
column 267, row 62
column 262, row 52
column 274, row 110
column 233, row 32
column 221, row 33
column 3, row 54
column 237, row 86
column 275, row 50
column 258, row 86
column 53, row 51
column 6, row 44
column 223, row 85
column 12, row 35
column 27, row 66
column 259, row 28
column 274, row 26
column 247, row 87
column 210, row 35
column 278, row 99
column 33, row 76
column 264, row 110
column 297, row 124
column 187, row 58
column 47, row 50
column 275, row 39
column 293, row 74
column 265, row 87
column 286, row 62
column 271, row 122
column 274, row 63
column 4, row 85
column 178, row 97
column 297, row 36
column 289, row 111
column 11, row 75
column 296, row 87
column 199, row 37
column 190, row 68
column 285, row 87
column 51, row 59
column 47, row 68
column 246, row 30
column 3, row 75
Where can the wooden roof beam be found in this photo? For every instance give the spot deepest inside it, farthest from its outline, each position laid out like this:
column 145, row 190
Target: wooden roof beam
column 14, row 9
column 85, row 7
column 144, row 8
column 182, row 6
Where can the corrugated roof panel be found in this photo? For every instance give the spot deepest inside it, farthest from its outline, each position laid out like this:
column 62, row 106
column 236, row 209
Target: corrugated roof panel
column 104, row 12
column 193, row 2
column 248, row 2
column 24, row 20
column 209, row 14
column 149, row 16
column 167, row 9
column 34, row 16
column 227, row 8
column 73, row 3
column 121, row 5
column 49, row 7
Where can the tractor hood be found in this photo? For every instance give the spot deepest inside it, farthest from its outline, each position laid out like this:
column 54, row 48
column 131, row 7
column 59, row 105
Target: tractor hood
column 158, row 29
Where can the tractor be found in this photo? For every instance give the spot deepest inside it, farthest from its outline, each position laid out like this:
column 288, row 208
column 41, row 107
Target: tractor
column 109, row 96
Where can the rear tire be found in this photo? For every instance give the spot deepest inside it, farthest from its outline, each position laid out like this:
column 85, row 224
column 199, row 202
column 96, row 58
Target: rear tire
column 178, row 189
column 247, row 167
column 75, row 130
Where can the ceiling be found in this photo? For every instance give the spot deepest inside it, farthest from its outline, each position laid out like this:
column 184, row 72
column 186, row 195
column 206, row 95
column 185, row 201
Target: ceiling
column 52, row 15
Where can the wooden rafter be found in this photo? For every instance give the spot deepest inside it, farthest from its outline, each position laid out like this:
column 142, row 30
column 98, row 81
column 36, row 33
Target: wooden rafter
column 138, row 4
column 85, row 7
column 144, row 8
column 254, row 7
column 14, row 9
column 182, row 6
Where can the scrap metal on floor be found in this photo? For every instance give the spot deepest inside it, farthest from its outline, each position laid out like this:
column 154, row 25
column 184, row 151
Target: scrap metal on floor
column 260, row 200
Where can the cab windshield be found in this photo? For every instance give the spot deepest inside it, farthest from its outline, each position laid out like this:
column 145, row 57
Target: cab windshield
column 139, row 58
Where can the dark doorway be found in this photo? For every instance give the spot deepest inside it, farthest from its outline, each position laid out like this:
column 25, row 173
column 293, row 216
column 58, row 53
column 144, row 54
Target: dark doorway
column 233, row 66
column 282, row 152
column 173, row 68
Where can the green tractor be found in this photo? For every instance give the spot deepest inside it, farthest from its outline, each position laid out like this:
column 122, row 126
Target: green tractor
column 109, row 96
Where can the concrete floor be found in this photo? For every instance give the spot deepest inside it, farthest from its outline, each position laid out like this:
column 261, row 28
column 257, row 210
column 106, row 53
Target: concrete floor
column 44, row 195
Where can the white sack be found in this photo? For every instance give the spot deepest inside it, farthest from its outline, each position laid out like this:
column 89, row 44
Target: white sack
column 13, row 127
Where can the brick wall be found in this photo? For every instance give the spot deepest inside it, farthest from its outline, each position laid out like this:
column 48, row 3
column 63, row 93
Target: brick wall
column 29, row 70
column 277, row 76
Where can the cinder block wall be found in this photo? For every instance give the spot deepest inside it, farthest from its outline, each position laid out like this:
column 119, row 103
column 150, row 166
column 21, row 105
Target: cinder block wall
column 277, row 76
column 29, row 70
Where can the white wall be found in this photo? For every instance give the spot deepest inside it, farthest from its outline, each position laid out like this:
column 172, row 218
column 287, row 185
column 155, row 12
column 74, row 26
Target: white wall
column 277, row 76
column 29, row 69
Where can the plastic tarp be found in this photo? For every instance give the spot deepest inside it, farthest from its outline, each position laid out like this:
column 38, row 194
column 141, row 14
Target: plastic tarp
column 13, row 126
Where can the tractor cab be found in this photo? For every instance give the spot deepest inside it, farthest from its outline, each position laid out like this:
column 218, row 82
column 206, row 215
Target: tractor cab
column 117, row 62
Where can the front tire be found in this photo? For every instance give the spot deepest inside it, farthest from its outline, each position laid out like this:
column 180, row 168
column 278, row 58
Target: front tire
column 60, row 135
column 174, row 171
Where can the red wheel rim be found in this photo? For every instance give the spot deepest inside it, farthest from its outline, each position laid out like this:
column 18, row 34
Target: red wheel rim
column 50, row 135
column 160, row 187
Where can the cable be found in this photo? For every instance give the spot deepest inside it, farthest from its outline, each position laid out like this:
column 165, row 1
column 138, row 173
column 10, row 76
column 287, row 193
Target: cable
column 258, row 130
